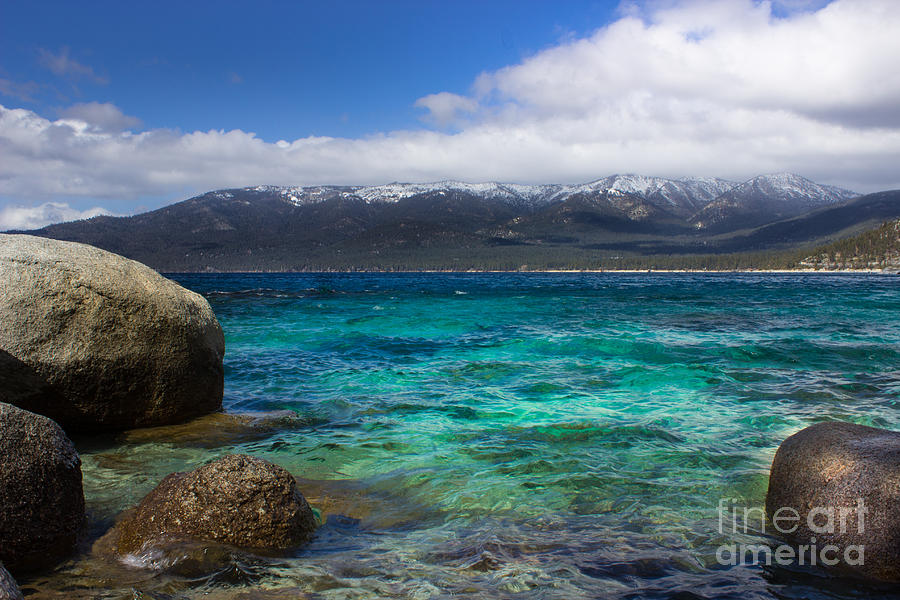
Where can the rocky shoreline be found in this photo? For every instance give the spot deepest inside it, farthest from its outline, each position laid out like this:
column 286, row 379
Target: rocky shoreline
column 92, row 342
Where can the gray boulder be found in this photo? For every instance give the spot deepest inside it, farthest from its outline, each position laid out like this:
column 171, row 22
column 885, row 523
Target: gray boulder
column 100, row 342
column 237, row 500
column 842, row 481
column 41, row 498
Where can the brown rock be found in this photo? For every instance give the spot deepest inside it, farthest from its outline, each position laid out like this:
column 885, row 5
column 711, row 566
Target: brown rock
column 117, row 345
column 830, row 469
column 217, row 429
column 41, row 498
column 237, row 500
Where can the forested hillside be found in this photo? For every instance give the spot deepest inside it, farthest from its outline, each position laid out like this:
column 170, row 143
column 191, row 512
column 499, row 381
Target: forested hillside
column 875, row 249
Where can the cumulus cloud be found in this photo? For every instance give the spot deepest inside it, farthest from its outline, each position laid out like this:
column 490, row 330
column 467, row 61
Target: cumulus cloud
column 35, row 217
column 831, row 65
column 700, row 87
column 445, row 108
column 64, row 65
column 101, row 116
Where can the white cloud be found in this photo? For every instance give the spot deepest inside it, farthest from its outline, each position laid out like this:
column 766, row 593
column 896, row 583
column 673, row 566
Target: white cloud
column 444, row 108
column 101, row 116
column 733, row 54
column 35, row 217
column 65, row 66
column 697, row 87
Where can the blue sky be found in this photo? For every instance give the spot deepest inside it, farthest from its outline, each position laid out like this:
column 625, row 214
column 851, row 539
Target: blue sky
column 283, row 70
column 119, row 107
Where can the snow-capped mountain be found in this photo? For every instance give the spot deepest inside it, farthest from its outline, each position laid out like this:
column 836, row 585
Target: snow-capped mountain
column 682, row 196
column 696, row 192
column 647, row 187
column 706, row 202
column 412, row 225
column 767, row 198
column 791, row 188
column 510, row 193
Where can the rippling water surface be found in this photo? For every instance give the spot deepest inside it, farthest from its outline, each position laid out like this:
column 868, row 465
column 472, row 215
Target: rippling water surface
column 516, row 435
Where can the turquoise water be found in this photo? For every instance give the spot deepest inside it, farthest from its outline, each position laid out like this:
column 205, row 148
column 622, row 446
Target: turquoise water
column 521, row 435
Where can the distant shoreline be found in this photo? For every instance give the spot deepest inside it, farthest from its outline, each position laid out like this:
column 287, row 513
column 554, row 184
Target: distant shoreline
column 570, row 271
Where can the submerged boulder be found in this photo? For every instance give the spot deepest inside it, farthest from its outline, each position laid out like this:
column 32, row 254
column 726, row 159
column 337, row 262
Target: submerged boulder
column 838, row 484
column 219, row 429
column 41, row 497
column 112, row 344
column 237, row 500
column 8, row 588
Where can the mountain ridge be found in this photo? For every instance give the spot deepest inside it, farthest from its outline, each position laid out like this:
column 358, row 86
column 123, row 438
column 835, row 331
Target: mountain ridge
column 695, row 191
column 454, row 224
column 782, row 195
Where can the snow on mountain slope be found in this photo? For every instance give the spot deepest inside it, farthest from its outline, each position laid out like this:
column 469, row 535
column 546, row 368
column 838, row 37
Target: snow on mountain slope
column 681, row 196
column 780, row 195
column 394, row 192
column 691, row 192
column 687, row 192
column 704, row 200
column 638, row 185
column 795, row 189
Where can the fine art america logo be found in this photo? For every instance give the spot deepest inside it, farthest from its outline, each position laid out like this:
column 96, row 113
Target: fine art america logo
column 827, row 521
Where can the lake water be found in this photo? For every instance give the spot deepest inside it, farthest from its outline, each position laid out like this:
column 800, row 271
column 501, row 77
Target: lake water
column 515, row 435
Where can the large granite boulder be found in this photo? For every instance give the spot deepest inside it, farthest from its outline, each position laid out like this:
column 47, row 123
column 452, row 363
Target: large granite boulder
column 838, row 484
column 237, row 500
column 41, row 498
column 114, row 344
column 21, row 385
column 8, row 588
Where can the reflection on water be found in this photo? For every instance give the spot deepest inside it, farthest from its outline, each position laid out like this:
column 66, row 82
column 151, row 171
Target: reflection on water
column 547, row 436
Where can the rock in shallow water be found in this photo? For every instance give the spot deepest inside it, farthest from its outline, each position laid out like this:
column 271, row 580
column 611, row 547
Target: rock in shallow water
column 218, row 430
column 237, row 500
column 119, row 345
column 41, row 497
column 842, row 481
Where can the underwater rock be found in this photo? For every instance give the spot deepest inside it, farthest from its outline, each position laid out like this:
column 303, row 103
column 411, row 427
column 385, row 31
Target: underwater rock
column 41, row 497
column 294, row 593
column 379, row 506
column 184, row 559
column 238, row 500
column 838, row 484
column 8, row 588
column 120, row 345
column 218, row 429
